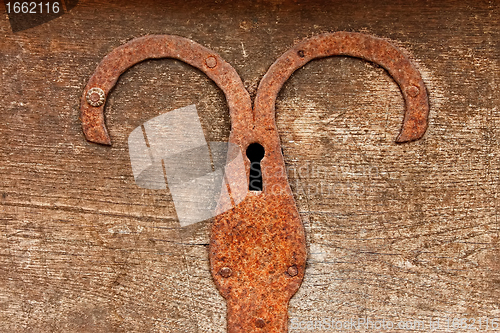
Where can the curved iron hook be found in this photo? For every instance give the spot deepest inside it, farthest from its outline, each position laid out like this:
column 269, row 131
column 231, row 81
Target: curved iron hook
column 257, row 249
column 159, row 46
column 357, row 45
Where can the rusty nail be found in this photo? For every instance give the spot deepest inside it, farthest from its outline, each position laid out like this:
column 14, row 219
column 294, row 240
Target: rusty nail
column 357, row 45
column 153, row 47
column 413, row 91
column 236, row 232
column 293, row 270
column 211, row 62
column 260, row 323
column 95, row 97
column 225, row 272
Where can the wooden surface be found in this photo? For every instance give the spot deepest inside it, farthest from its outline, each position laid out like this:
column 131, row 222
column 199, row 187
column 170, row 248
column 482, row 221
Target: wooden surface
column 394, row 232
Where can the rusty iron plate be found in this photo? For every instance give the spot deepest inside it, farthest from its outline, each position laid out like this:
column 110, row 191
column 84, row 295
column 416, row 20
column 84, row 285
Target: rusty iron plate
column 257, row 249
column 122, row 58
column 358, row 45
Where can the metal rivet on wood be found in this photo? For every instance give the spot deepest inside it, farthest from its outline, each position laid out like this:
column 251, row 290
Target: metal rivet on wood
column 266, row 224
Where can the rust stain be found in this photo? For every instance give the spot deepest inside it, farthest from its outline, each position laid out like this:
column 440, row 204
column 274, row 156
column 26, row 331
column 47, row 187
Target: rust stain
column 257, row 249
column 153, row 47
column 356, row 45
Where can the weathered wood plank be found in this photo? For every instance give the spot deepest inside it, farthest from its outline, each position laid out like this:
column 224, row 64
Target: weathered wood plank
column 400, row 232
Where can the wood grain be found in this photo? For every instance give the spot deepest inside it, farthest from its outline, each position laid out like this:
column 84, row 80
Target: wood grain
column 400, row 232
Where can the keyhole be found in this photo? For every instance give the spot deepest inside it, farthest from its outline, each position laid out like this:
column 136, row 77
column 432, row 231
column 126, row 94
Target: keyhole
column 255, row 153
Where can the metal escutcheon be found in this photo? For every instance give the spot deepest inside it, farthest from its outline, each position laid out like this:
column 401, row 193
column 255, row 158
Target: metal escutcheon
column 257, row 249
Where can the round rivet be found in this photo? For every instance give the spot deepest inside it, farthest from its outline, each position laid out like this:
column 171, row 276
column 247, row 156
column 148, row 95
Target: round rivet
column 225, row 272
column 301, row 53
column 292, row 271
column 211, row 62
column 413, row 91
column 260, row 323
column 95, row 97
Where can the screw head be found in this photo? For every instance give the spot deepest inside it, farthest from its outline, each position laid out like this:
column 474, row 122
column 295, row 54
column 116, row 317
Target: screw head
column 95, row 97
column 225, row 272
column 413, row 91
column 211, row 62
column 293, row 270
column 260, row 323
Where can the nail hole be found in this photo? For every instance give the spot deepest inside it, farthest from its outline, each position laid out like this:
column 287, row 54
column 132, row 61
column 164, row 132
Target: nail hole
column 255, row 153
column 301, row 53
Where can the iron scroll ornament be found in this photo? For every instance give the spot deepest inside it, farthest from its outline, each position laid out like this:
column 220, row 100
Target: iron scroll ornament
column 257, row 249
